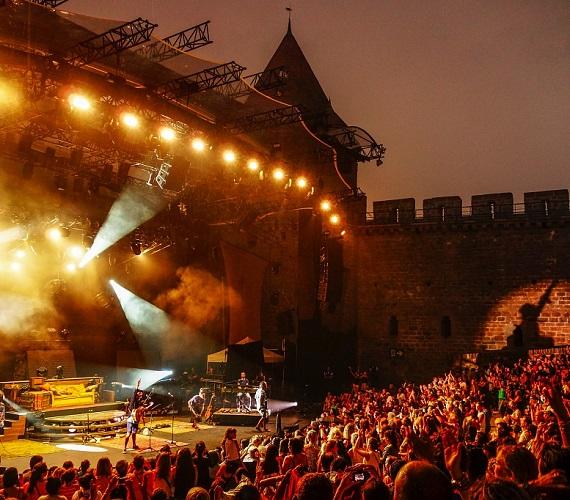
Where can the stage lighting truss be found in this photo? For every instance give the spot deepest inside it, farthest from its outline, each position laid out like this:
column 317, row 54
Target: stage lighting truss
column 111, row 42
column 183, row 41
column 361, row 143
column 48, row 3
column 181, row 89
column 264, row 80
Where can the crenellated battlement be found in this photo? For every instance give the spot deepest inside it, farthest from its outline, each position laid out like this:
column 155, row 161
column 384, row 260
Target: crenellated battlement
column 483, row 208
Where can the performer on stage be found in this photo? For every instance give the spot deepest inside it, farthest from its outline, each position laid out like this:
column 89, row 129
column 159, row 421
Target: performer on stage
column 135, row 417
column 196, row 406
column 261, row 403
column 2, row 410
column 243, row 400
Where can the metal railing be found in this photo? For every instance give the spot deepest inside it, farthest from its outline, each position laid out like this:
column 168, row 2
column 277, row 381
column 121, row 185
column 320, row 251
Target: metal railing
column 543, row 210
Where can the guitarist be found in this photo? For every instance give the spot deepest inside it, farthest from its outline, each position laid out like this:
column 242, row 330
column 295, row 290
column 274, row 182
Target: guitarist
column 135, row 411
column 196, row 406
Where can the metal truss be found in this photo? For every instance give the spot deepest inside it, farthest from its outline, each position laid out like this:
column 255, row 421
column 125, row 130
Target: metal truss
column 48, row 3
column 183, row 41
column 111, row 42
column 183, row 88
column 266, row 119
column 264, row 80
column 361, row 143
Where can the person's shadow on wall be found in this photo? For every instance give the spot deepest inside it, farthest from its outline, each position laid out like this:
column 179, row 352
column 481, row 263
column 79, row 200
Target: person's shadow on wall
column 527, row 333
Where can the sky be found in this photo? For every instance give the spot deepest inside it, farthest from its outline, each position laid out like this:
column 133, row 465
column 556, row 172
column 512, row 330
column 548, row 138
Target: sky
column 469, row 97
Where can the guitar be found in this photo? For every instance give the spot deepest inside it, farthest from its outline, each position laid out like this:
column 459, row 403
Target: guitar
column 208, row 413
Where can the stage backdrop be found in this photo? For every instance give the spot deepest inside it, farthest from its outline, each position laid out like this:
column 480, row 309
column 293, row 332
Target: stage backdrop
column 244, row 281
column 50, row 359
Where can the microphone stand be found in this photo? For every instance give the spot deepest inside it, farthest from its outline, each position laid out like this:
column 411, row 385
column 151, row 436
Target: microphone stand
column 172, row 420
column 150, row 431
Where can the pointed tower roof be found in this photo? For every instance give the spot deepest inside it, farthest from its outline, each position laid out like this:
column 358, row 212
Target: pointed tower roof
column 302, row 86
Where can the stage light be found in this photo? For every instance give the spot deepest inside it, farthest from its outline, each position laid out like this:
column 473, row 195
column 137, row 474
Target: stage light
column 167, row 134
column 76, row 252
column 334, row 219
column 134, row 207
column 229, row 156
column 253, row 165
column 198, row 144
column 79, row 101
column 71, row 267
column 301, row 183
column 16, row 266
column 9, row 96
column 136, row 247
column 278, row 174
column 343, row 232
column 54, row 233
column 20, row 254
column 326, row 205
column 12, row 234
column 130, row 120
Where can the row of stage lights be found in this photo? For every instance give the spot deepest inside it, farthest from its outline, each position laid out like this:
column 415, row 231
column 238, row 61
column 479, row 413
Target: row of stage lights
column 71, row 254
column 131, row 120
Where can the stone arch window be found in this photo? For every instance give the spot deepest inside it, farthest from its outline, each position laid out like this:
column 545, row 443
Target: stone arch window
column 393, row 325
column 446, row 327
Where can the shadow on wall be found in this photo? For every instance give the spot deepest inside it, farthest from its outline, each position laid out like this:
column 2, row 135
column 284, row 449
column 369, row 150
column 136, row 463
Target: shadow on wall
column 527, row 333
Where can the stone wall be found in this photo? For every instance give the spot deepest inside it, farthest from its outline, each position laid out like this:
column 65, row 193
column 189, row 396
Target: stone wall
column 420, row 294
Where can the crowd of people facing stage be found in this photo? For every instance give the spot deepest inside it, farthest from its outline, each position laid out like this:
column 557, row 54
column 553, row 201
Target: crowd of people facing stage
column 498, row 433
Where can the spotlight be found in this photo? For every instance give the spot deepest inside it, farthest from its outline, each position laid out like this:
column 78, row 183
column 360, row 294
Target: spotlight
column 136, row 247
column 301, row 183
column 71, row 267
column 20, row 254
column 16, row 266
column 198, row 144
column 130, row 120
column 253, row 165
column 343, row 232
column 278, row 174
column 334, row 219
column 79, row 101
column 54, row 233
column 167, row 134
column 326, row 205
column 229, row 156
column 76, row 252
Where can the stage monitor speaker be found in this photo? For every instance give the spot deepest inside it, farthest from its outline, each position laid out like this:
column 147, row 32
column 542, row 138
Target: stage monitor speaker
column 246, row 358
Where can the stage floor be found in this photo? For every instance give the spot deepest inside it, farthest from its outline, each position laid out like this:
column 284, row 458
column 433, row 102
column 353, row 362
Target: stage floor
column 17, row 453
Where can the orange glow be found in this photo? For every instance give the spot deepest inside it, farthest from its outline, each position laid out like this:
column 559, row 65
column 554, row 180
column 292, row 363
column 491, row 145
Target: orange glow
column 79, row 101
column 229, row 156
column 253, row 165
column 326, row 205
column 16, row 266
column 334, row 219
column 198, row 144
column 279, row 174
column 301, row 183
column 130, row 120
column 54, row 234
column 167, row 134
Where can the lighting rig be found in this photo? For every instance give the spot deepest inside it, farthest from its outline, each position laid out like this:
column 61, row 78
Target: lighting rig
column 110, row 130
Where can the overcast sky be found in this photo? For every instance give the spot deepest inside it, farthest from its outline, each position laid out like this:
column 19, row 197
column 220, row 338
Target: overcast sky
column 469, row 97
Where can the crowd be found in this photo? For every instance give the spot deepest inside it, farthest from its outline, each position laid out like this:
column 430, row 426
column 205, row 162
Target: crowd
column 502, row 432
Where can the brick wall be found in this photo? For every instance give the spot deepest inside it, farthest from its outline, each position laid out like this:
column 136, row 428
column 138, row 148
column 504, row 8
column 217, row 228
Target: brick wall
column 479, row 279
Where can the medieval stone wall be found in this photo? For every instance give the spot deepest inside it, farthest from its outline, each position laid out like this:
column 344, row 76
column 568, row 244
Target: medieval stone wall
column 421, row 292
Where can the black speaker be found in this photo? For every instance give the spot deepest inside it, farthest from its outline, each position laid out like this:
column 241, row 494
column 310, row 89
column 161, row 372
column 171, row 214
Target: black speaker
column 286, row 323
